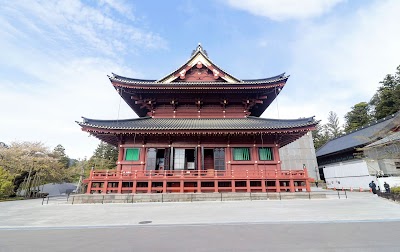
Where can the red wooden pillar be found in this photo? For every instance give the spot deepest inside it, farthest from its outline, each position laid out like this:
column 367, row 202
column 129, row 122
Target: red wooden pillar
column 120, row 157
column 149, row 184
column 120, row 186
column 89, row 188
column 142, row 158
column 255, row 157
column 263, row 188
column 215, row 185
column 248, row 185
column 233, row 185
column 291, row 185
column 277, row 185
column 307, row 181
column 199, row 186
column 277, row 157
column 228, row 156
column 199, row 158
column 105, row 184
column 134, row 186
column 164, row 186
column 182, row 186
column 90, row 182
column 182, row 183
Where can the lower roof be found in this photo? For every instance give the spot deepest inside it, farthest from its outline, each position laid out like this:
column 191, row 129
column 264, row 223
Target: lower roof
column 282, row 132
column 154, row 124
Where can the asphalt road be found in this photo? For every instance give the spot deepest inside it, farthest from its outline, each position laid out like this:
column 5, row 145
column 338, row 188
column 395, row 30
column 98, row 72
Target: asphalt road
column 330, row 236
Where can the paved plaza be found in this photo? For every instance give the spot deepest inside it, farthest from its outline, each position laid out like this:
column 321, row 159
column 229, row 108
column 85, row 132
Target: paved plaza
column 362, row 222
column 358, row 207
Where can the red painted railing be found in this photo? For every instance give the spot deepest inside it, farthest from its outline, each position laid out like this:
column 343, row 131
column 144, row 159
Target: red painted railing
column 112, row 181
column 174, row 174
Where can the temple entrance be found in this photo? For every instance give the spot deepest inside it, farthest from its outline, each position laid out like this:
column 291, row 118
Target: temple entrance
column 214, row 159
column 208, row 159
column 184, row 159
column 155, row 159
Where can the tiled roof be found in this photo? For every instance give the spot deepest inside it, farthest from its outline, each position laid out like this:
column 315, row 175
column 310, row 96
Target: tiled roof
column 394, row 137
column 199, row 50
column 147, row 123
column 126, row 80
column 358, row 138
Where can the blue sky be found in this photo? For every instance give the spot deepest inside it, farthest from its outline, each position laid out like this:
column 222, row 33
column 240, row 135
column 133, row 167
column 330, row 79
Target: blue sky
column 56, row 56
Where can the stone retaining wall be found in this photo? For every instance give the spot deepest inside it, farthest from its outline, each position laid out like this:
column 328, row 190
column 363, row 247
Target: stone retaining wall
column 188, row 197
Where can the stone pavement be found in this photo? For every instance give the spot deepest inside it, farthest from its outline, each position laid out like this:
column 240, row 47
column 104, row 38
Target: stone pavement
column 358, row 207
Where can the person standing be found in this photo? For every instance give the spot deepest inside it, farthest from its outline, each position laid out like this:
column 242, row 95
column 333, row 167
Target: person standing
column 372, row 185
column 387, row 187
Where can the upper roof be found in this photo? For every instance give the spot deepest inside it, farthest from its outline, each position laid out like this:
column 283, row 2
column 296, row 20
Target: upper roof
column 359, row 137
column 198, row 59
column 200, row 77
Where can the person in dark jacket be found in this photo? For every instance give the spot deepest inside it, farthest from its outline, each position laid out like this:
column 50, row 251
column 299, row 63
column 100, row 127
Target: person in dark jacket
column 372, row 185
column 387, row 187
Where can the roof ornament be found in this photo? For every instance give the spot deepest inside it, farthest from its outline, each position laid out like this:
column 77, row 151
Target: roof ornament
column 199, row 48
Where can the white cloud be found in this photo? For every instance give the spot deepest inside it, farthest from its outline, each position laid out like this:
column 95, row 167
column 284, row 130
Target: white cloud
column 340, row 61
column 55, row 58
column 285, row 9
column 72, row 22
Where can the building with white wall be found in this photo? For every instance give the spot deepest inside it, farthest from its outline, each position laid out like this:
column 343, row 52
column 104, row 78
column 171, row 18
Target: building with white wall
column 344, row 162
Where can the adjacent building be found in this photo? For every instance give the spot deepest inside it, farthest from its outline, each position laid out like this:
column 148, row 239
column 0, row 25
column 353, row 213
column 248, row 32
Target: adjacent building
column 359, row 157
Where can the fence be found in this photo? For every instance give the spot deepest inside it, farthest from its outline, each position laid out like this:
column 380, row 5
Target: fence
column 60, row 199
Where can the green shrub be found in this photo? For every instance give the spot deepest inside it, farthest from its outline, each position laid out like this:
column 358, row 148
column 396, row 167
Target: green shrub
column 6, row 183
column 395, row 190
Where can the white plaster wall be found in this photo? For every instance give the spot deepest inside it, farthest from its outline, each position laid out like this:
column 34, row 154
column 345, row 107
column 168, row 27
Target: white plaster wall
column 300, row 152
column 350, row 174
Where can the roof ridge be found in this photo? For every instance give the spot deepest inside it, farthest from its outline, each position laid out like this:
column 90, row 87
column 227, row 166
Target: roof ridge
column 370, row 124
column 199, row 50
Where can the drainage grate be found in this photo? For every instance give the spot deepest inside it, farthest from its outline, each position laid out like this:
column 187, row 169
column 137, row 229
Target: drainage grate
column 145, row 222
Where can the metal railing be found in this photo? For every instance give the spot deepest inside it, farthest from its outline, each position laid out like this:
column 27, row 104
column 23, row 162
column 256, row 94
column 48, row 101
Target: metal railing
column 58, row 199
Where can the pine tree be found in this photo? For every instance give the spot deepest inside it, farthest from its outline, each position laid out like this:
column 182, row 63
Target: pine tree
column 386, row 100
column 104, row 157
column 333, row 126
column 358, row 116
column 320, row 136
column 59, row 153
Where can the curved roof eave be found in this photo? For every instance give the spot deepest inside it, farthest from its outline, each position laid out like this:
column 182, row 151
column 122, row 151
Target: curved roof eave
column 249, row 123
column 129, row 81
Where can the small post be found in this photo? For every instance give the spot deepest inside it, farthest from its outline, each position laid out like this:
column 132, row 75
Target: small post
column 221, row 196
column 102, row 201
column 338, row 194
column 42, row 201
column 250, row 197
column 73, row 198
column 309, row 195
column 345, row 193
column 132, row 199
column 280, row 198
column 47, row 200
column 162, row 198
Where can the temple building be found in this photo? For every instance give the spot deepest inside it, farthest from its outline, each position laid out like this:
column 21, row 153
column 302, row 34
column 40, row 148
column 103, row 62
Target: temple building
column 199, row 130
